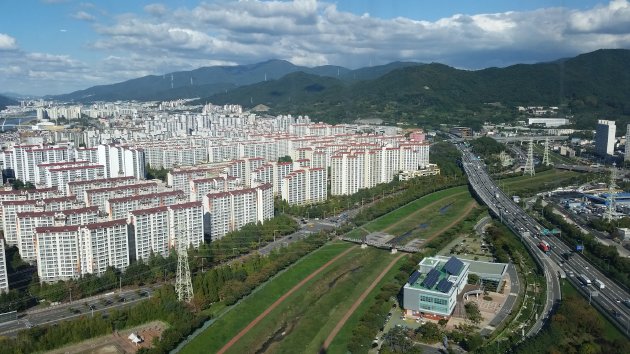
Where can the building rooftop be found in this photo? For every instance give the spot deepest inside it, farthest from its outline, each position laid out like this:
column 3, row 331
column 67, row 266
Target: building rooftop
column 437, row 274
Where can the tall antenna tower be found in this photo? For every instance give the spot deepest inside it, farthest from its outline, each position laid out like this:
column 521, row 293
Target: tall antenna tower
column 610, row 210
column 183, row 283
column 545, row 160
column 529, row 164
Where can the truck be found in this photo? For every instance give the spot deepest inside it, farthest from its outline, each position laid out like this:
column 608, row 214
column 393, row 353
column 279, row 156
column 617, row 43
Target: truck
column 584, row 279
column 544, row 246
column 599, row 283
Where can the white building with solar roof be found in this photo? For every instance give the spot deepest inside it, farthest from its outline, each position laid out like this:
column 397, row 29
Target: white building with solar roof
column 432, row 290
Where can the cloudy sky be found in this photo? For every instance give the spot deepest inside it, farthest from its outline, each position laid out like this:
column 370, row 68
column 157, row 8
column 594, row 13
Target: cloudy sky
column 58, row 46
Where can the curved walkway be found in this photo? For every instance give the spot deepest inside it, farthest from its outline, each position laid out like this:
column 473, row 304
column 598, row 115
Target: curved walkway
column 260, row 317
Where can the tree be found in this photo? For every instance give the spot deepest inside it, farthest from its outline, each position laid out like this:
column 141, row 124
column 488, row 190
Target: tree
column 285, row 158
column 473, row 278
column 429, row 332
column 473, row 313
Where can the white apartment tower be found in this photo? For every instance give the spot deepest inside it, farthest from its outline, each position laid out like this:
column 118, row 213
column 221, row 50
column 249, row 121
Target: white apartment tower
column 185, row 222
column 305, row 186
column 605, row 137
column 122, row 161
column 626, row 155
column 4, row 279
column 103, row 245
column 229, row 211
column 149, row 232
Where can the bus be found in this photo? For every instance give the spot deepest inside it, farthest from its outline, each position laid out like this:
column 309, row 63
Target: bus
column 584, row 279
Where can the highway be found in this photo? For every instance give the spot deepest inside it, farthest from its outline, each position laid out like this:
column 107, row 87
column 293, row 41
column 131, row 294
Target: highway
column 609, row 300
column 82, row 307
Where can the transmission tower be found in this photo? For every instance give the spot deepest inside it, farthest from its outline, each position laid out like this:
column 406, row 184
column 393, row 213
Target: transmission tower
column 610, row 210
column 529, row 164
column 545, row 160
column 183, row 284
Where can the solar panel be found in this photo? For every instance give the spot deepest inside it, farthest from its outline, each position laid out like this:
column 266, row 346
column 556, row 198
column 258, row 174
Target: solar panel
column 431, row 279
column 414, row 276
column 444, row 286
column 453, row 266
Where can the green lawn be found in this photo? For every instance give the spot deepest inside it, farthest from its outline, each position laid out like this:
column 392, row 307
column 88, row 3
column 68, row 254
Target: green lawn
column 317, row 314
column 213, row 338
column 432, row 219
column 303, row 321
column 540, row 181
column 341, row 341
column 388, row 219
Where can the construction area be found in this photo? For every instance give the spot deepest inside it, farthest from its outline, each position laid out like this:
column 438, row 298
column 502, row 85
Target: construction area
column 128, row 341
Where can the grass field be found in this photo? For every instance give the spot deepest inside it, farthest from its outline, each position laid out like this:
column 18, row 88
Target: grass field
column 340, row 343
column 540, row 181
column 386, row 220
column 302, row 322
column 231, row 323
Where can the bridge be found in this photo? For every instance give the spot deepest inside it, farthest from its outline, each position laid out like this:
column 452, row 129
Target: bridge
column 537, row 138
column 388, row 246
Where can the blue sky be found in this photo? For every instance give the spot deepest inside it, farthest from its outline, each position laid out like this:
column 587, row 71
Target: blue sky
column 57, row 46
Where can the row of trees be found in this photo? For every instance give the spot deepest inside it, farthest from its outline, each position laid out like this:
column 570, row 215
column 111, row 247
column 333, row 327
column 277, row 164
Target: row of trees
column 229, row 283
column 26, row 289
column 163, row 306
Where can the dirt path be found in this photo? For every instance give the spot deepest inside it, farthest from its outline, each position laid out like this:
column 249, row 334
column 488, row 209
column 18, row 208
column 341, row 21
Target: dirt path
column 358, row 302
column 260, row 317
column 421, row 209
column 467, row 211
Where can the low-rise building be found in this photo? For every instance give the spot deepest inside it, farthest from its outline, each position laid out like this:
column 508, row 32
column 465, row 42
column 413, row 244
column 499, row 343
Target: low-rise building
column 432, row 289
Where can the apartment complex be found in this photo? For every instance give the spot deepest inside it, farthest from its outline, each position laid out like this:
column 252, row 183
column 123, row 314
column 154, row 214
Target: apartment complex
column 365, row 167
column 305, row 186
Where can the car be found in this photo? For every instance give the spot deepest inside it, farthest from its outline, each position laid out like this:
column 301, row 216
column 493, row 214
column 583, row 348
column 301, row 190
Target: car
column 586, row 267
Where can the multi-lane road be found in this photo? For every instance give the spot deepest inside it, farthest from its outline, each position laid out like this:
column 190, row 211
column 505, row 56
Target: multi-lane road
column 610, row 299
column 89, row 306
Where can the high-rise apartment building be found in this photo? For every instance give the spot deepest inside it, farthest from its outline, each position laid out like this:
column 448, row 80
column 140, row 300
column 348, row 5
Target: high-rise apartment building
column 103, row 245
column 149, row 232
column 122, row 161
column 4, row 279
column 229, row 211
column 605, row 137
column 305, row 186
column 626, row 155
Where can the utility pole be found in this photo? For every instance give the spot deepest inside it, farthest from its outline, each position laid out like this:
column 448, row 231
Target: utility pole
column 183, row 283
column 529, row 164
column 545, row 160
column 610, row 210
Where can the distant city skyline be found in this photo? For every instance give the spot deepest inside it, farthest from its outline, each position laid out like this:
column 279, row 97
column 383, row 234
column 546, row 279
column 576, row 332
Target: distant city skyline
column 59, row 46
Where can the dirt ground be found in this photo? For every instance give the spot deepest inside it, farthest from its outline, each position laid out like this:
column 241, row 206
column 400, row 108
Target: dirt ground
column 118, row 342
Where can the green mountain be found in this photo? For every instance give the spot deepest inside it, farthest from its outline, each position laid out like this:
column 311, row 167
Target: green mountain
column 588, row 87
column 6, row 101
column 207, row 81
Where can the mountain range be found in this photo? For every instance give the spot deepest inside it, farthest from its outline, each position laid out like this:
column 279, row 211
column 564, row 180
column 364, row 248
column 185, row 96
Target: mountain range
column 588, row 86
column 206, row 81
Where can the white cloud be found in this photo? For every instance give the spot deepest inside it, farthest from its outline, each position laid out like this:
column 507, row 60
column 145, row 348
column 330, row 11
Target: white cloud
column 307, row 32
column 7, row 42
column 83, row 16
